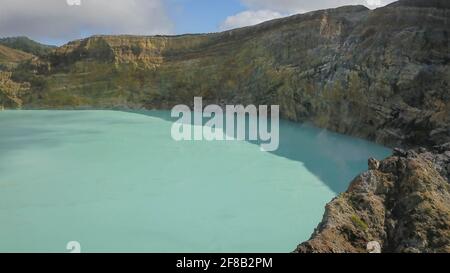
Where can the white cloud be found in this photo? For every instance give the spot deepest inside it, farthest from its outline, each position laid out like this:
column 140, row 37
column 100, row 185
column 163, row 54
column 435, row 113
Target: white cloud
column 264, row 10
column 57, row 20
column 248, row 18
column 63, row 20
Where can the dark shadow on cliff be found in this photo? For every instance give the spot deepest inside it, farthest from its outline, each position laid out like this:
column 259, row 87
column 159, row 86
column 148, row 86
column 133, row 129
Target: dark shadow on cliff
column 317, row 149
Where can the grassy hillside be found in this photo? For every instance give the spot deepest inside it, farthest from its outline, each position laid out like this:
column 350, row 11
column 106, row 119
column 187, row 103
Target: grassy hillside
column 26, row 45
column 10, row 57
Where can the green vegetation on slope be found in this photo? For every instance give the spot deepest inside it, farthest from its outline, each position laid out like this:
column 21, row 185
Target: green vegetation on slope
column 382, row 75
column 26, row 45
column 10, row 57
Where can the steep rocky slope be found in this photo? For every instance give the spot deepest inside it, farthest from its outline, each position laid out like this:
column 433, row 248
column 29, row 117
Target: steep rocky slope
column 11, row 92
column 382, row 74
column 402, row 202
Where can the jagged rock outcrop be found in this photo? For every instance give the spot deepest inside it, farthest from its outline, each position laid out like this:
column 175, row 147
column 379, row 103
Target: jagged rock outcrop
column 402, row 202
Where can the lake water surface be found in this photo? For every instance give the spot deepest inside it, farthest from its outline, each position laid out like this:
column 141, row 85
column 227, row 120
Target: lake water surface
column 117, row 182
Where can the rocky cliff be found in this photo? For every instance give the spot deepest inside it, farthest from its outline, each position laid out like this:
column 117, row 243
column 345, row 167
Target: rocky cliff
column 402, row 203
column 10, row 91
column 379, row 74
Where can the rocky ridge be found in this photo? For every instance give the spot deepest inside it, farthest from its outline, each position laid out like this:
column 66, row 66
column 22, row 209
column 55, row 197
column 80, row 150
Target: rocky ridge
column 401, row 203
column 378, row 74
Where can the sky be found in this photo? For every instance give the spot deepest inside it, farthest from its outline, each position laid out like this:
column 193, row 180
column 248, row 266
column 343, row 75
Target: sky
column 59, row 21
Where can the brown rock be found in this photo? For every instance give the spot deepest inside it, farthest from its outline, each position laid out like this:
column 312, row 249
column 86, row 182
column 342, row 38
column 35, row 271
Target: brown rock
column 404, row 206
column 373, row 164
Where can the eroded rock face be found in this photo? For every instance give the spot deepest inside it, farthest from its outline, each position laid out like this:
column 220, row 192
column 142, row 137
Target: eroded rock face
column 382, row 75
column 403, row 203
column 10, row 91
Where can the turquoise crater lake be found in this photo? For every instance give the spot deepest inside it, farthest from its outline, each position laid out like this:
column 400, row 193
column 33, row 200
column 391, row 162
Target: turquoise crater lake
column 117, row 182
